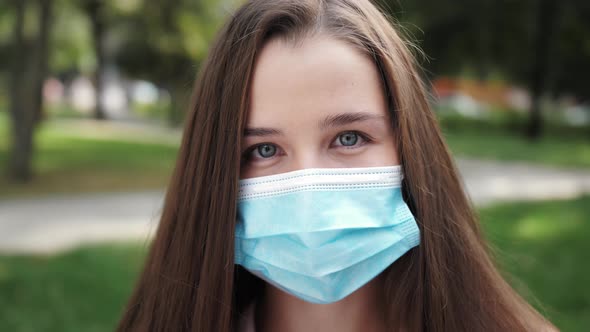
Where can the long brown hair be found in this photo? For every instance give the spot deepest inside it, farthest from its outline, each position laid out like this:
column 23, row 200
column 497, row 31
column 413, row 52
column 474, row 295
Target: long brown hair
column 190, row 282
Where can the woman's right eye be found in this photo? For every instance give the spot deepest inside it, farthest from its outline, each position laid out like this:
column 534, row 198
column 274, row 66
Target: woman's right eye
column 266, row 150
column 261, row 151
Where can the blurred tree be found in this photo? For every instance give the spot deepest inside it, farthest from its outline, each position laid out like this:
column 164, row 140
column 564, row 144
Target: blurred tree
column 547, row 15
column 95, row 11
column 22, row 122
column 165, row 41
column 573, row 48
column 28, row 71
column 542, row 44
column 7, row 18
column 73, row 51
column 42, row 56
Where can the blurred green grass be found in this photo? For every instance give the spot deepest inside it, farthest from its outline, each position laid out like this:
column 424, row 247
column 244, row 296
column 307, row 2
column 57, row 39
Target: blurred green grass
column 79, row 291
column 69, row 162
column 542, row 246
column 549, row 150
column 500, row 136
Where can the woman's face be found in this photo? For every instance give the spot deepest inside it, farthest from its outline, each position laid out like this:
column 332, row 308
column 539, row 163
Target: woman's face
column 320, row 105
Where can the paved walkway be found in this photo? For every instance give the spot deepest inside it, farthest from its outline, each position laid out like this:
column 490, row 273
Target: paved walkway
column 490, row 182
column 52, row 224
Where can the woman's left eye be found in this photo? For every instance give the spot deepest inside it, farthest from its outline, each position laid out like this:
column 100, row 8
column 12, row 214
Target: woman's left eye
column 350, row 139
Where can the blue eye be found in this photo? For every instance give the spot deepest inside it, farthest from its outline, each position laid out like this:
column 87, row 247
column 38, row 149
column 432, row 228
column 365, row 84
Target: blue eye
column 266, row 150
column 261, row 153
column 348, row 139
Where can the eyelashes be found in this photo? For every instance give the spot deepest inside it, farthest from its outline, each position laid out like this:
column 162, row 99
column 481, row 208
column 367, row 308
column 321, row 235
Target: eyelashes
column 348, row 140
column 264, row 151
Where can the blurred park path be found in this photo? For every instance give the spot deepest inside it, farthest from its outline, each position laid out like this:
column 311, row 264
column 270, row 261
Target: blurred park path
column 493, row 181
column 46, row 225
column 61, row 222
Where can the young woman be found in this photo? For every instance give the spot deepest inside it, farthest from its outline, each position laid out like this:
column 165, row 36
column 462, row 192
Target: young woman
column 313, row 191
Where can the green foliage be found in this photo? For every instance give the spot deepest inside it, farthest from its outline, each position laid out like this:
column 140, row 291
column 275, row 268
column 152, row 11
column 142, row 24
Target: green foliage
column 483, row 37
column 7, row 20
column 71, row 40
column 488, row 38
column 157, row 40
column 166, row 39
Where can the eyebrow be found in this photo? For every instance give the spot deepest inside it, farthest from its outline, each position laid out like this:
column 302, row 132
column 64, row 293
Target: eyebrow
column 262, row 132
column 342, row 119
column 335, row 120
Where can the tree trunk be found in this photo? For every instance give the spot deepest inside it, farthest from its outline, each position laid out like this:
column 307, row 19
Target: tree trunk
column 546, row 29
column 94, row 9
column 177, row 90
column 22, row 119
column 484, row 48
column 42, row 56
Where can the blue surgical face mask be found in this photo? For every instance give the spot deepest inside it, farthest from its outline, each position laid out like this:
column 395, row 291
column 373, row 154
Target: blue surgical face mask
column 321, row 234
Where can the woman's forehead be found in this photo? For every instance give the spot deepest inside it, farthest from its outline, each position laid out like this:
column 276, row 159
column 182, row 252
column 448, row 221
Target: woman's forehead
column 320, row 77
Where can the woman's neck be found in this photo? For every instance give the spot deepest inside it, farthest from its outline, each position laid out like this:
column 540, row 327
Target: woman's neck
column 360, row 311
